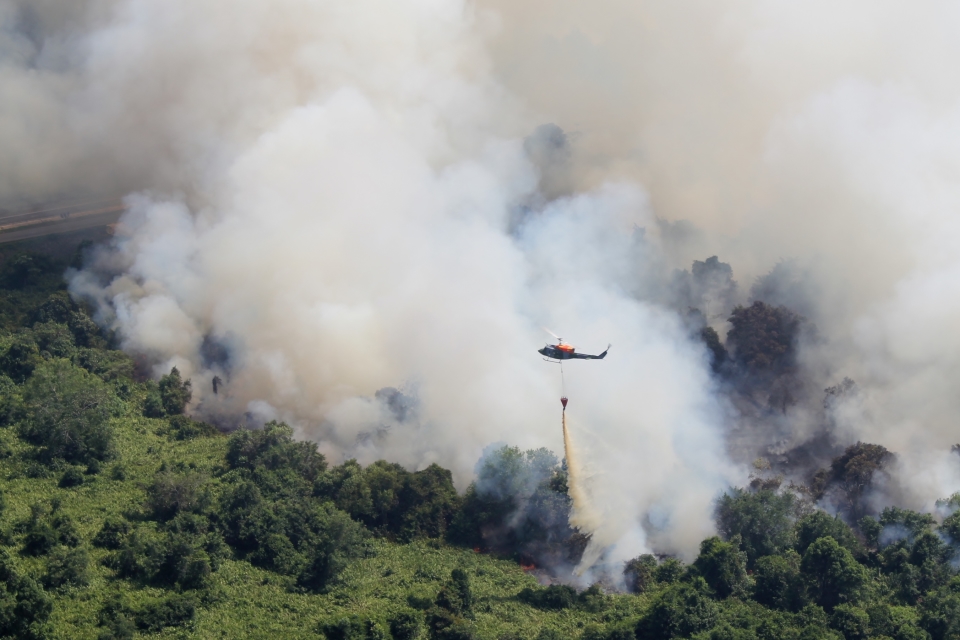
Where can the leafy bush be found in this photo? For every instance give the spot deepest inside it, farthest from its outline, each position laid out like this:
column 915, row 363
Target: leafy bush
column 54, row 339
column 762, row 519
column 20, row 358
column 764, row 337
column 328, row 539
column 406, row 625
column 170, row 558
column 67, row 568
column 853, row 622
column 392, row 501
column 723, row 566
column 554, row 597
column 173, row 611
column 67, row 413
column 518, row 502
column 852, row 473
column 778, row 583
column 24, row 606
column 640, row 573
column 353, row 628
column 116, row 620
column 669, row 571
column 112, row 534
column 72, row 477
column 818, row 525
column 678, row 612
column 832, row 575
column 171, row 494
column 274, row 449
column 9, row 399
column 175, row 393
column 183, row 428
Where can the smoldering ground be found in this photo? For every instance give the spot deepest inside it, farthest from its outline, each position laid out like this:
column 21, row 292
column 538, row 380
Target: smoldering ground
column 327, row 200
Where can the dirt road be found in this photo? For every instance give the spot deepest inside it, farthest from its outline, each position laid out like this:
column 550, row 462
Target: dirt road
column 58, row 218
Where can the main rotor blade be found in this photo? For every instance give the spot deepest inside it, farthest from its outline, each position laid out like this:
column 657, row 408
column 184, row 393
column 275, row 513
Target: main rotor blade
column 553, row 334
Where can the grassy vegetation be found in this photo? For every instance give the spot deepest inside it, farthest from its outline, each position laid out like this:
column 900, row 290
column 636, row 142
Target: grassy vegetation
column 247, row 601
column 121, row 516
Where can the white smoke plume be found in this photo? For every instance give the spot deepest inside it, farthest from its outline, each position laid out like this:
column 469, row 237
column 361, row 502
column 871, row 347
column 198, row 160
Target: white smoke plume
column 327, row 199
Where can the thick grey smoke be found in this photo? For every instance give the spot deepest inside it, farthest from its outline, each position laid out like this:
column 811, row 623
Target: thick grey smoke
column 328, row 199
column 340, row 199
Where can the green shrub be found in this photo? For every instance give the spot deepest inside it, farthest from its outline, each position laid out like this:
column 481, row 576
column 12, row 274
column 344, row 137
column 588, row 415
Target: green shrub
column 723, row 566
column 115, row 620
column 778, row 583
column 67, row 568
column 24, row 605
column 679, row 611
column 554, row 597
column 456, row 596
column 184, row 428
column 20, row 358
column 640, row 573
column 9, row 399
column 67, row 413
column 406, row 625
column 54, row 339
column 546, row 633
column 112, row 534
column 72, row 477
column 669, row 571
column 40, row 537
column 273, row 448
column 170, row 494
column 175, row 393
column 831, row 573
column 352, row 628
column 763, row 520
column 852, row 622
column 173, row 611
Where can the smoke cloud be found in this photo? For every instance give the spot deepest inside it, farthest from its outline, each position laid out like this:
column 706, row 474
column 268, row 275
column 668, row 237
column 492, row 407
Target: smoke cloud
column 326, row 200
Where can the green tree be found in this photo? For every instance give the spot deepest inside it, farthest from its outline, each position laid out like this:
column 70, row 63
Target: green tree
column 723, row 566
column 332, row 539
column 552, row 598
column 24, row 606
column 640, row 573
column 456, row 596
column 67, row 568
column 274, row 449
column 67, row 413
column 679, row 612
column 406, row 625
column 778, row 583
column 171, row 494
column 818, row 525
column 670, row 571
column 20, row 358
column 9, row 399
column 764, row 337
column 831, row 573
column 175, row 393
column 54, row 339
column 853, row 622
column 940, row 615
column 852, row 474
column 763, row 519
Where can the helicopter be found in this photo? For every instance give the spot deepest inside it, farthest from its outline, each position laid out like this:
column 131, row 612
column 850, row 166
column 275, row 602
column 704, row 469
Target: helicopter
column 563, row 351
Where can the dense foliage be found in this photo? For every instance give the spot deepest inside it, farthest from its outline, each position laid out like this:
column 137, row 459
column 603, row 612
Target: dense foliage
column 120, row 515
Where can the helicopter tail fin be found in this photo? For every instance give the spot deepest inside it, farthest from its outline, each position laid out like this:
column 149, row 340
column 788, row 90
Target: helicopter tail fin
column 604, row 354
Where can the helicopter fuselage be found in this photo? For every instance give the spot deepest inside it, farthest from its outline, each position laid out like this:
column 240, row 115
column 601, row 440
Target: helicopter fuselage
column 566, row 352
